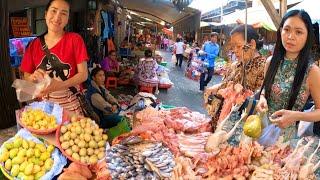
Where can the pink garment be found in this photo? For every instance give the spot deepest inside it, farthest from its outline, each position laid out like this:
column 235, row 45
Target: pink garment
column 108, row 64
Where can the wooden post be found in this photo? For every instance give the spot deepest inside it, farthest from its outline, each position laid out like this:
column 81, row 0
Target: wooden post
column 272, row 12
column 283, row 7
column 8, row 99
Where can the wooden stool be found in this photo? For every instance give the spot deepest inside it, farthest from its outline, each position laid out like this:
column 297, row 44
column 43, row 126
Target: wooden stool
column 111, row 82
column 146, row 89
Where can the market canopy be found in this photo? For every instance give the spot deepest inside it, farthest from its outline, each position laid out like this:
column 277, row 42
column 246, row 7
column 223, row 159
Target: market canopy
column 158, row 10
column 257, row 16
column 205, row 24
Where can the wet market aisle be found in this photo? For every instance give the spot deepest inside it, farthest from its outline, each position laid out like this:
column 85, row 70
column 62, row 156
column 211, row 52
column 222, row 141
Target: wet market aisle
column 185, row 92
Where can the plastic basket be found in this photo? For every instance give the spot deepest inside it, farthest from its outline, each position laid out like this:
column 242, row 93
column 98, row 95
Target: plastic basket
column 121, row 128
column 37, row 131
column 167, row 107
column 164, row 64
column 67, row 121
column 165, row 86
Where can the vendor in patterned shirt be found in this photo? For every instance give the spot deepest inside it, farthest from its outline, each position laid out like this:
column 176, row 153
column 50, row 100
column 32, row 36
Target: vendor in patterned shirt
column 248, row 70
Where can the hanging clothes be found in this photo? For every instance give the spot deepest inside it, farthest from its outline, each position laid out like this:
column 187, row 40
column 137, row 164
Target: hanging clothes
column 111, row 46
column 107, row 25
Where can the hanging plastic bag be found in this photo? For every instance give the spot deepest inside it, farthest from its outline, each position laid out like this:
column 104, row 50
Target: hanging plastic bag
column 306, row 128
column 270, row 135
column 27, row 91
column 173, row 59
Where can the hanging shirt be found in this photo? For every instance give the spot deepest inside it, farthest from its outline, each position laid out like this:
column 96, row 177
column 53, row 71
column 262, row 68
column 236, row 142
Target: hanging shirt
column 212, row 50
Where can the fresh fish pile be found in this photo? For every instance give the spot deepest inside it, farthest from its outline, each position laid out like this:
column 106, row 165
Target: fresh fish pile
column 138, row 159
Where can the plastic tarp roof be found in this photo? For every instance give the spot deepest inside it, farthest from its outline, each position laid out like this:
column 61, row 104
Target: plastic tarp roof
column 312, row 7
column 257, row 16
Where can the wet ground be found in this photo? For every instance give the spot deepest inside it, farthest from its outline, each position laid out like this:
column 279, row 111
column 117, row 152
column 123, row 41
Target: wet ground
column 185, row 92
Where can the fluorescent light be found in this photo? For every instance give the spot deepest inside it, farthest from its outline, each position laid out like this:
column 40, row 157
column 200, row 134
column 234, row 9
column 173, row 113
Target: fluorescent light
column 163, row 23
column 128, row 16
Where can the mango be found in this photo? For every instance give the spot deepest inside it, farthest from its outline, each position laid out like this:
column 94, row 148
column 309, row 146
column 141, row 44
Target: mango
column 8, row 164
column 23, row 166
column 25, row 144
column 37, row 153
column 29, row 153
column 41, row 147
column 48, row 164
column 44, row 156
column 50, row 148
column 253, row 126
column 31, row 144
column 28, row 170
column 17, row 160
column 22, row 153
column 13, row 152
column 15, row 170
column 39, row 174
column 4, row 156
column 17, row 142
column 8, row 146
column 36, row 169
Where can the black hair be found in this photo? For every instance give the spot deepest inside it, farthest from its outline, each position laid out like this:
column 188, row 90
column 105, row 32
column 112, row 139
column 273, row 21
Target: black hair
column 50, row 2
column 251, row 34
column 95, row 71
column 279, row 53
column 111, row 51
column 148, row 53
column 178, row 40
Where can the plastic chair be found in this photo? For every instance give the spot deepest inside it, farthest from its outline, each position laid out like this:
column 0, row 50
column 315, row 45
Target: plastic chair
column 146, row 89
column 111, row 82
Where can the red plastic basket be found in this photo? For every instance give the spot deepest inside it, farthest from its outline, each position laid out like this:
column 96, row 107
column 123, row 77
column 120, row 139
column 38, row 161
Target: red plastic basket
column 67, row 121
column 165, row 86
column 37, row 131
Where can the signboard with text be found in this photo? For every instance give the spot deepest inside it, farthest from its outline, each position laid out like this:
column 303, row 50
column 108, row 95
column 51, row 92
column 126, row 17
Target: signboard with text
column 20, row 26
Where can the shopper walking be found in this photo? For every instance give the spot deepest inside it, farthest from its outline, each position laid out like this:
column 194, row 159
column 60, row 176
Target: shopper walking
column 211, row 49
column 179, row 48
column 67, row 65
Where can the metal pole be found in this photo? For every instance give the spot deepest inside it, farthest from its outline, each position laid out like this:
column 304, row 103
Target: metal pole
column 129, row 28
column 246, row 21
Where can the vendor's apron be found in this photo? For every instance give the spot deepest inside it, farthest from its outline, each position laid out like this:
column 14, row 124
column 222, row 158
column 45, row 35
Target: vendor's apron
column 67, row 100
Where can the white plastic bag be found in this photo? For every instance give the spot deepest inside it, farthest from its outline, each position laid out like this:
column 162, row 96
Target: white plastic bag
column 173, row 59
column 27, row 91
column 305, row 128
column 270, row 135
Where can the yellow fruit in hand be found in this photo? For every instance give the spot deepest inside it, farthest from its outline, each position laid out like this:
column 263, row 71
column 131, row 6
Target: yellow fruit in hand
column 253, row 126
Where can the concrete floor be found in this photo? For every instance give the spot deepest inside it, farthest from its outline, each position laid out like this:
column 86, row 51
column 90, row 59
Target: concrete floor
column 185, row 92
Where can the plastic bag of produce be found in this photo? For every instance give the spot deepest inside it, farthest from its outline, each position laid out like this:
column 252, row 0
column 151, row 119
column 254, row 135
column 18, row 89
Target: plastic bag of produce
column 173, row 59
column 270, row 135
column 27, row 91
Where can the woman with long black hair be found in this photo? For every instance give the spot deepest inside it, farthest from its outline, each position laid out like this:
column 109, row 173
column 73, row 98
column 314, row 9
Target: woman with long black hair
column 291, row 76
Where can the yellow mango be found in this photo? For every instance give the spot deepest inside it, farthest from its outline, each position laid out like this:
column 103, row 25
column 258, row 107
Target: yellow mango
column 4, row 156
column 37, row 153
column 39, row 174
column 23, row 166
column 36, row 169
column 15, row 170
column 48, row 164
column 25, row 144
column 17, row 160
column 28, row 170
column 29, row 153
column 31, row 144
column 8, row 164
column 13, row 152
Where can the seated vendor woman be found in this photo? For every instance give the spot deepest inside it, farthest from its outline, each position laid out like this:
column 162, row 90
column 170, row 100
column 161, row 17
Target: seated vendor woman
column 110, row 64
column 103, row 103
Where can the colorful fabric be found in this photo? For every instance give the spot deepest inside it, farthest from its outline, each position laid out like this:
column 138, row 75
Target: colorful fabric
column 280, row 94
column 253, row 70
column 147, row 72
column 108, row 64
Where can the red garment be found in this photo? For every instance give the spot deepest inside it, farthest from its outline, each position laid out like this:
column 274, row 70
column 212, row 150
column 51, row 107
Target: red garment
column 70, row 51
column 110, row 45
